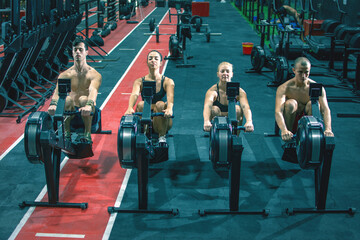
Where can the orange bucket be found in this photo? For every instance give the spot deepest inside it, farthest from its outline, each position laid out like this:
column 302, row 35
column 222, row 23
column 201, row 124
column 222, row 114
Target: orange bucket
column 247, row 47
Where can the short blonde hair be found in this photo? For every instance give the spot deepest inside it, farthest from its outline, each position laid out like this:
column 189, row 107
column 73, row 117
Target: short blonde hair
column 225, row 63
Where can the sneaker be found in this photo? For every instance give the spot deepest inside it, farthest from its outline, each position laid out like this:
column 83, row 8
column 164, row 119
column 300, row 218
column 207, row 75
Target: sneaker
column 79, row 137
column 84, row 138
column 67, row 135
column 87, row 137
column 162, row 141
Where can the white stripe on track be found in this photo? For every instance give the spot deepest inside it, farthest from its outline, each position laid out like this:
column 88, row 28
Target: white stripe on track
column 59, row 235
column 11, row 147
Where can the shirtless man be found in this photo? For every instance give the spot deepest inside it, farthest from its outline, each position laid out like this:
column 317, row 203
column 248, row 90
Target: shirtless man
column 163, row 100
column 85, row 84
column 293, row 101
column 286, row 9
column 292, row 12
column 216, row 103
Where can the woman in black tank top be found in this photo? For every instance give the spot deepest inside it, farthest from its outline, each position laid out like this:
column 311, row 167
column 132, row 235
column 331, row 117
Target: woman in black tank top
column 216, row 103
column 162, row 101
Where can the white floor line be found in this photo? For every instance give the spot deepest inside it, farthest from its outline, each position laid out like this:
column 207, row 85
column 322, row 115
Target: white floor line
column 11, row 147
column 59, row 235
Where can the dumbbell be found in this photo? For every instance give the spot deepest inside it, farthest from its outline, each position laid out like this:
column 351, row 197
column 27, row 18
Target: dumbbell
column 96, row 39
column 152, row 24
column 106, row 30
column 208, row 34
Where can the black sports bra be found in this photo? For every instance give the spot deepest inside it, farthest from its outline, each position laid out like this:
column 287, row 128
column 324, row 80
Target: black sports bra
column 159, row 95
column 223, row 108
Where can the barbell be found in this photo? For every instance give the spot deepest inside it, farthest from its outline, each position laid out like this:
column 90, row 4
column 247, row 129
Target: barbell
column 196, row 22
column 207, row 34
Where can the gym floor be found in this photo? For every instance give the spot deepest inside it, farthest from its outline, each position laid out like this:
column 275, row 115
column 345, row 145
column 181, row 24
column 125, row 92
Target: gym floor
column 187, row 181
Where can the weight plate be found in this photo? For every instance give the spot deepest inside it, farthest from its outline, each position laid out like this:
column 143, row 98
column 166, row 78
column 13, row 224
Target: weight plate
column 157, row 34
column 207, row 34
column 113, row 26
column 196, row 22
column 174, row 46
column 198, row 25
column 257, row 58
column 281, row 70
column 152, row 24
column 185, row 18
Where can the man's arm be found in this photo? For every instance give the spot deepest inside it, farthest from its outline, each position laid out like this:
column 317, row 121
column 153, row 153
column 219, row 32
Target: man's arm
column 93, row 92
column 94, row 87
column 208, row 103
column 55, row 97
column 169, row 88
column 244, row 103
column 286, row 135
column 326, row 114
column 134, row 96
